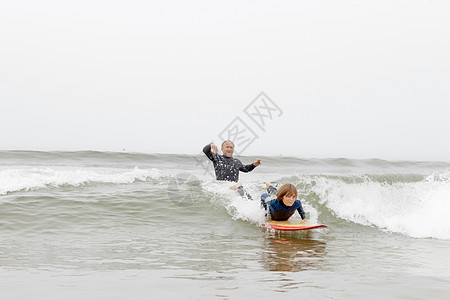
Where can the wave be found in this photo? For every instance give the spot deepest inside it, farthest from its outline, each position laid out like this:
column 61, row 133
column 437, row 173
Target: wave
column 416, row 208
column 410, row 204
column 242, row 209
column 398, row 197
column 237, row 207
column 26, row 179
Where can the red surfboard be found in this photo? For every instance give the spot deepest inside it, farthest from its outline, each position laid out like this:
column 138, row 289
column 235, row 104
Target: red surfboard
column 291, row 225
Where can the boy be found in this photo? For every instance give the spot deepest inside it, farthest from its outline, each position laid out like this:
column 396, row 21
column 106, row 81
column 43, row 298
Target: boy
column 284, row 205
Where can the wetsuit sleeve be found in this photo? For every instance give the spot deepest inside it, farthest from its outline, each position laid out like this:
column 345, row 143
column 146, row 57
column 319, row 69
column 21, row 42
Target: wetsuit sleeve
column 301, row 211
column 245, row 168
column 207, row 151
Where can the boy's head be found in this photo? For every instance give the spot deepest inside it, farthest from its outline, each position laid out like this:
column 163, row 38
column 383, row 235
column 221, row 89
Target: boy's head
column 286, row 190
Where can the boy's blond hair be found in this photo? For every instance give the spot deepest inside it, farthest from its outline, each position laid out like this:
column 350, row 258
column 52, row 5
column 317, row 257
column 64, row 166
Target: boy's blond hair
column 286, row 189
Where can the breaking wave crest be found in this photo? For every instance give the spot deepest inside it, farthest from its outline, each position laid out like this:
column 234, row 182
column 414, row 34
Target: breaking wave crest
column 26, row 179
column 416, row 208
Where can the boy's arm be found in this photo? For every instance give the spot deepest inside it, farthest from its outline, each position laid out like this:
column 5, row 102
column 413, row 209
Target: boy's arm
column 301, row 211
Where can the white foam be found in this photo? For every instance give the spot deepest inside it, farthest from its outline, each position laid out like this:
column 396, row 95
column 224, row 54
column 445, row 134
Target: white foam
column 246, row 210
column 416, row 209
column 13, row 180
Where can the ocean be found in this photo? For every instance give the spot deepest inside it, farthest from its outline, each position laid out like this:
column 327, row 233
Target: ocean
column 105, row 225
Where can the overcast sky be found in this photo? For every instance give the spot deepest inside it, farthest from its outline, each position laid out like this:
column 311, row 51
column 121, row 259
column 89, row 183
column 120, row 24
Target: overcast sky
column 355, row 79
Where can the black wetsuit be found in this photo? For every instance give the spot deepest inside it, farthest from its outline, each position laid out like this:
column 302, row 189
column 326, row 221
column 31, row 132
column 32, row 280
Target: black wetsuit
column 277, row 209
column 226, row 168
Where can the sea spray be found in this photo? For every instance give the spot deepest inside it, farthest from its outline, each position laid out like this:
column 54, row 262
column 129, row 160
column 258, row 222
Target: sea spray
column 240, row 208
column 417, row 209
column 26, row 179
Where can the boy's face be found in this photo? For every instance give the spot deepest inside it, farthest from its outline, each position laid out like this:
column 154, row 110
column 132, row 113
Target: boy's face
column 288, row 200
column 228, row 149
